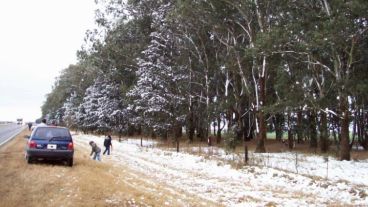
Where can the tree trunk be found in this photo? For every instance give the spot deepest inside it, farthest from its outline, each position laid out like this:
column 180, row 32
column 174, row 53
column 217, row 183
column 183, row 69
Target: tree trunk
column 191, row 127
column 219, row 129
column 323, row 133
column 355, row 125
column 178, row 130
column 279, row 120
column 290, row 133
column 240, row 123
column 214, row 128
column 344, row 143
column 335, row 129
column 248, row 127
column 229, row 116
column 164, row 134
column 360, row 125
column 299, row 127
column 130, row 130
column 261, row 134
column 139, row 130
column 201, row 128
column 153, row 134
column 364, row 134
column 313, row 129
column 364, row 142
column 334, row 136
column 177, row 144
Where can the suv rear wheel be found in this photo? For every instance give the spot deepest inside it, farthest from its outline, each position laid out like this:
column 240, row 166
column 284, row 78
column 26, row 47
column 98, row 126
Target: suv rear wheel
column 29, row 159
column 70, row 162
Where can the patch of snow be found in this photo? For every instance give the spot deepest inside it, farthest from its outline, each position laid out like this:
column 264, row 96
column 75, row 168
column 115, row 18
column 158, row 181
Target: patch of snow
column 145, row 142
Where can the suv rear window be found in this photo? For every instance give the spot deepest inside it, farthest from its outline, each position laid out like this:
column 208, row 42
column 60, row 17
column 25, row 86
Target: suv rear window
column 52, row 133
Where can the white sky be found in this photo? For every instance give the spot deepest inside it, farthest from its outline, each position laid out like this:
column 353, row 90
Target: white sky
column 38, row 39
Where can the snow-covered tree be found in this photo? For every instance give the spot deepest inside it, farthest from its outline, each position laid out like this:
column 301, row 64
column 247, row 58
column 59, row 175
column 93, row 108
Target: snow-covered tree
column 88, row 110
column 71, row 109
column 101, row 109
column 158, row 98
column 109, row 110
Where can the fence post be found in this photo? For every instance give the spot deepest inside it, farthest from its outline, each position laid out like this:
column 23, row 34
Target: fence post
column 326, row 160
column 296, row 162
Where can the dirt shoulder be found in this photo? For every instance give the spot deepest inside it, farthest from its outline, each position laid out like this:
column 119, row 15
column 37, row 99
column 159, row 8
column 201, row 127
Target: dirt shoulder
column 87, row 183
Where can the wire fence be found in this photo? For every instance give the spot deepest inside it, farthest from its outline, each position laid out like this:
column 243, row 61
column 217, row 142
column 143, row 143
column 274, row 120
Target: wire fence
column 293, row 162
column 310, row 165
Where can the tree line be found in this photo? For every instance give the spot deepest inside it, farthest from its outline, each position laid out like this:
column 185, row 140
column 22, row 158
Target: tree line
column 156, row 67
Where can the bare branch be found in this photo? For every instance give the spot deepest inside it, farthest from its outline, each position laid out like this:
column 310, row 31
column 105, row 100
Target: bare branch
column 321, row 64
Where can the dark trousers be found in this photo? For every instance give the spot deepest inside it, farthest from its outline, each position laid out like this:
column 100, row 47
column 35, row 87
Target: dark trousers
column 107, row 149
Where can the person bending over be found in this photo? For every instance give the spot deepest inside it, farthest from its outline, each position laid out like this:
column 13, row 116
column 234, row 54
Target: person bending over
column 96, row 151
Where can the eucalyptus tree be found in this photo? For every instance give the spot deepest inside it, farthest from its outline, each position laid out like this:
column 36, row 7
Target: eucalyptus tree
column 249, row 30
column 198, row 56
column 332, row 39
column 358, row 85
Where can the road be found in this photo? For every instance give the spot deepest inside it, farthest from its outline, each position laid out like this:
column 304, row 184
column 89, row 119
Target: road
column 8, row 131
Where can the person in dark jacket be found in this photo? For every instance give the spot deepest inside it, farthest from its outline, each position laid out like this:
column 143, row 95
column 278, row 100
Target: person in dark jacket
column 29, row 126
column 107, row 144
column 95, row 150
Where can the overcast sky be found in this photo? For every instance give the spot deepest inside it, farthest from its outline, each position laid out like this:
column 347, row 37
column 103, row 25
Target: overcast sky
column 38, row 39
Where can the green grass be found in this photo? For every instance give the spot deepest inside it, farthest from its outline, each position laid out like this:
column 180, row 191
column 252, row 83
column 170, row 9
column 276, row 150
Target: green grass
column 272, row 135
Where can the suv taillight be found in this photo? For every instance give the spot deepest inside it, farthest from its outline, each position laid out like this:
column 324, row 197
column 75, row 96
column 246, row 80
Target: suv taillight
column 32, row 144
column 70, row 146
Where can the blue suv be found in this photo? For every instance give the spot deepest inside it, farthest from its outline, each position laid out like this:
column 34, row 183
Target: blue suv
column 50, row 143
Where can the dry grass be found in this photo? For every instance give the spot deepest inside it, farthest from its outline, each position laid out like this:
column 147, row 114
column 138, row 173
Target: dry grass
column 87, row 183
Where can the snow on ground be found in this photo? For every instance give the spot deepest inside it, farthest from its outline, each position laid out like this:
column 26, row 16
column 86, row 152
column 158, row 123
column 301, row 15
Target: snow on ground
column 306, row 164
column 144, row 143
column 251, row 185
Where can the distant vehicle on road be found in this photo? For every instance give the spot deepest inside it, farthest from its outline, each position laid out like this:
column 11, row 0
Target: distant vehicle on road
column 20, row 121
column 50, row 143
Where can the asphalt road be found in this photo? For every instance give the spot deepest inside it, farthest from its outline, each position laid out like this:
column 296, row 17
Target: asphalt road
column 7, row 132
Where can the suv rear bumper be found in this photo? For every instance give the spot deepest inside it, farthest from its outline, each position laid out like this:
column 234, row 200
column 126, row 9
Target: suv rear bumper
column 50, row 154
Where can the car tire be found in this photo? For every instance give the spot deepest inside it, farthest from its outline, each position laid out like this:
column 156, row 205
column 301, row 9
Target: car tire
column 29, row 159
column 70, row 162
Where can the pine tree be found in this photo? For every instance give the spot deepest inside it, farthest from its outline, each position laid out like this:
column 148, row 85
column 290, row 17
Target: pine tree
column 158, row 95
